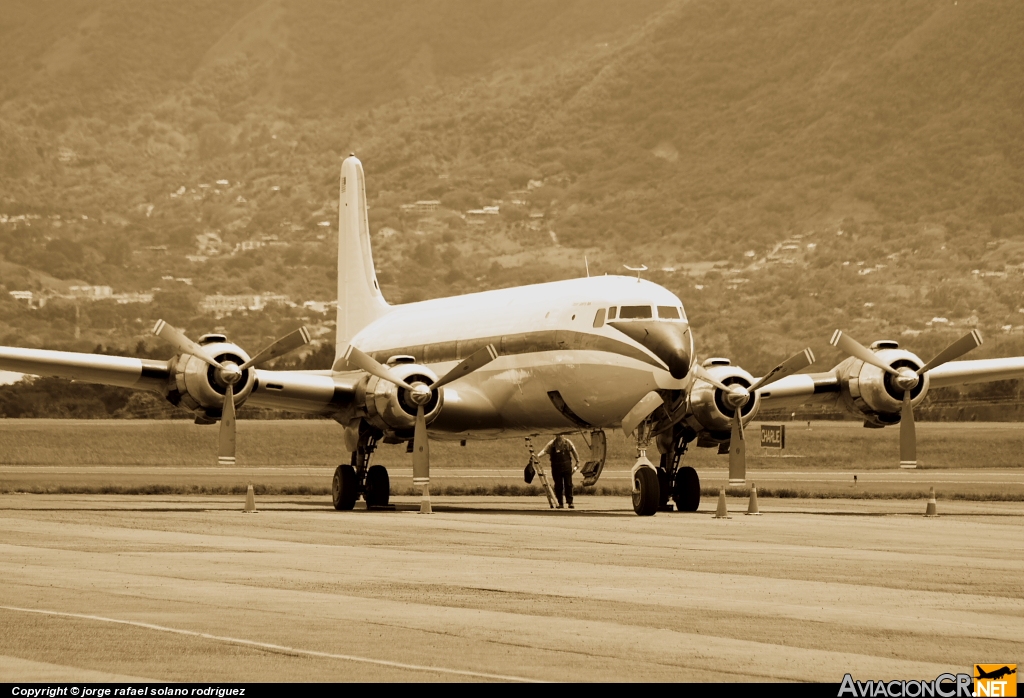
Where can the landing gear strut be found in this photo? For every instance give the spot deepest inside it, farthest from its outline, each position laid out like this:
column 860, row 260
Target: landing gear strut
column 681, row 483
column 646, row 489
column 360, row 477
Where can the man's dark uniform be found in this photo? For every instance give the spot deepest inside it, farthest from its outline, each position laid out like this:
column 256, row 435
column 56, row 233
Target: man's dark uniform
column 561, row 469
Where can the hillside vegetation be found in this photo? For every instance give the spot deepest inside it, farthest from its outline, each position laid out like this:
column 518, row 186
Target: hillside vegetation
column 786, row 167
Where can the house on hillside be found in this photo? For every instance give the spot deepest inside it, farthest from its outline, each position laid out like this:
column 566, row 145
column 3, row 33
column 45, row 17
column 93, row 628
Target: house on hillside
column 90, row 293
column 221, row 305
column 424, row 206
column 28, row 298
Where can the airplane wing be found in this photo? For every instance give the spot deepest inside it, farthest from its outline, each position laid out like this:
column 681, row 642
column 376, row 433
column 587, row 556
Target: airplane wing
column 977, row 371
column 317, row 392
column 824, row 388
column 122, row 371
column 800, row 388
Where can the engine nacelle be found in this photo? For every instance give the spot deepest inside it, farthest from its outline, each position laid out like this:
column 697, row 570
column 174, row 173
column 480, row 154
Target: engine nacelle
column 708, row 412
column 200, row 387
column 870, row 392
column 388, row 406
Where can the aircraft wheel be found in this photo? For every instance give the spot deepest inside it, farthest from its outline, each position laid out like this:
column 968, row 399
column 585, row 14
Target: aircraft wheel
column 343, row 488
column 687, row 489
column 647, row 492
column 378, row 486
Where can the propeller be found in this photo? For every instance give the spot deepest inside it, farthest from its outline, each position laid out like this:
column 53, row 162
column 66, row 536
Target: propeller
column 736, row 397
column 183, row 344
column 420, row 394
column 229, row 373
column 906, row 379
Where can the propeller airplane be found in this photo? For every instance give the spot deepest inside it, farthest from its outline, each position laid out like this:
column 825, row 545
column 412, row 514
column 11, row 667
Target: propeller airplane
column 588, row 354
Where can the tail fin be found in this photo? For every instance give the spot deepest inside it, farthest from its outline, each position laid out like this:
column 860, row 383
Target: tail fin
column 359, row 298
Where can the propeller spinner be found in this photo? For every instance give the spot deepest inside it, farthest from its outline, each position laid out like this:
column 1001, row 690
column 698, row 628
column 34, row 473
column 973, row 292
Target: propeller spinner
column 906, row 379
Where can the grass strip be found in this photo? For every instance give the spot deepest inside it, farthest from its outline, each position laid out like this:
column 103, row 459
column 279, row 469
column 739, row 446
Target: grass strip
column 500, row 490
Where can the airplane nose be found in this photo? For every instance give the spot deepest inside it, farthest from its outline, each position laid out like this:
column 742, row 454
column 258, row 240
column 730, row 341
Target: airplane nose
column 669, row 341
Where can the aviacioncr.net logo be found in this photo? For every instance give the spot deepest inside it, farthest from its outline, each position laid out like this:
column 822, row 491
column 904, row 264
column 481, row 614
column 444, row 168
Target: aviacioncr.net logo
column 995, row 680
column 943, row 686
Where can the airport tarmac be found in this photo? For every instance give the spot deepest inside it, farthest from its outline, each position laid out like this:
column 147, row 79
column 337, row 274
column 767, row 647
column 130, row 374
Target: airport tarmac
column 188, row 588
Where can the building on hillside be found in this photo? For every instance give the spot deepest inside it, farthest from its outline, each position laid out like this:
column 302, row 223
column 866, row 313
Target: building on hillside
column 248, row 246
column 209, row 244
column 30, row 299
column 221, row 305
column 91, row 293
column 319, row 306
column 132, row 297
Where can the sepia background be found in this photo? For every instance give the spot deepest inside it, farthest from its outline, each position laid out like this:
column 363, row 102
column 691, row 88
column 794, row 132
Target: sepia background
column 785, row 167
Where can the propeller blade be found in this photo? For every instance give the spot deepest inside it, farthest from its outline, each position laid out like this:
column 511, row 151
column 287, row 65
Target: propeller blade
column 908, row 434
column 478, row 359
column 969, row 341
column 788, row 367
column 859, row 351
column 737, row 451
column 354, row 358
column 420, row 450
column 226, row 451
column 290, row 342
column 700, row 372
column 183, row 344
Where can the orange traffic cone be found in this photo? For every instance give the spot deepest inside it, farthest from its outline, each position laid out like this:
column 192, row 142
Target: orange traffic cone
column 425, row 501
column 752, row 507
column 250, row 501
column 722, row 512
column 930, row 510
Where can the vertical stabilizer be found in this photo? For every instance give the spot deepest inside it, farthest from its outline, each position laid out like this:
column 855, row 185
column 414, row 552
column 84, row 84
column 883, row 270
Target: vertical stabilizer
column 359, row 298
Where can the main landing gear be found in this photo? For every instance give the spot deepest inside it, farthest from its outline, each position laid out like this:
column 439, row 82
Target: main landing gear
column 359, row 477
column 681, row 483
column 652, row 487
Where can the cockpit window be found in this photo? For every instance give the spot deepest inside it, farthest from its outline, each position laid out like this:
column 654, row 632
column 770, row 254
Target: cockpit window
column 611, row 312
column 668, row 312
column 599, row 318
column 635, row 312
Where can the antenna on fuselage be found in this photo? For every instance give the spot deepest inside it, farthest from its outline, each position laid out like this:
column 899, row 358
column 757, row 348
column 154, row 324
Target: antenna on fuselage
column 587, row 265
column 642, row 267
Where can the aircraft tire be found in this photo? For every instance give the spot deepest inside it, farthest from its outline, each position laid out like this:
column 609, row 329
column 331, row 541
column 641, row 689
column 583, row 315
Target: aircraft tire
column 378, row 486
column 343, row 488
column 687, row 489
column 647, row 494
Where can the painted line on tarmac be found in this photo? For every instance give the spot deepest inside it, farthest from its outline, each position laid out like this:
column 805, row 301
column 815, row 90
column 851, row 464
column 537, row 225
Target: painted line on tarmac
column 279, row 648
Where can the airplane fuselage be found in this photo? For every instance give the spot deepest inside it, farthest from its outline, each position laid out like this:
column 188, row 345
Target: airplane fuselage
column 563, row 364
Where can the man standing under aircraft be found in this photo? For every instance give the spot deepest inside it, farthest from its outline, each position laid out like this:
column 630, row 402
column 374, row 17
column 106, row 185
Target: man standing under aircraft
column 564, row 461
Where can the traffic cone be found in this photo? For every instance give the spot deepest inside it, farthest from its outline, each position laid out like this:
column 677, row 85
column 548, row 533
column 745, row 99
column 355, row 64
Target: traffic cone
column 425, row 501
column 930, row 511
column 250, row 501
column 752, row 507
column 723, row 512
